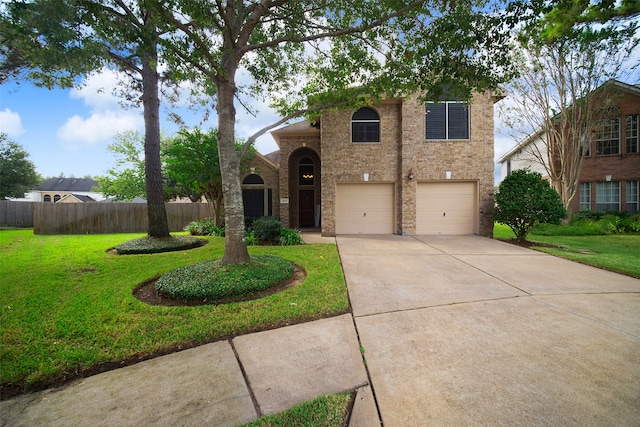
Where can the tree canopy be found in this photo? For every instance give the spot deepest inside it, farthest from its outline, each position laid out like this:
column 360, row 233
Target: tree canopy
column 17, row 173
column 191, row 160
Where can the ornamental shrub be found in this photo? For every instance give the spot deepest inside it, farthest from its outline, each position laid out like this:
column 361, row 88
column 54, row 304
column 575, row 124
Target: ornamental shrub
column 267, row 228
column 524, row 199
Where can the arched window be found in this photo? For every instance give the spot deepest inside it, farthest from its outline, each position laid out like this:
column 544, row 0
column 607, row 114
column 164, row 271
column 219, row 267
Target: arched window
column 365, row 125
column 56, row 198
column 47, row 198
column 253, row 179
column 305, row 171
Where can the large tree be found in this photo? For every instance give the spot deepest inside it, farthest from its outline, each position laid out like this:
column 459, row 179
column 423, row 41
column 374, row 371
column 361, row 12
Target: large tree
column 17, row 173
column 560, row 99
column 308, row 56
column 54, row 42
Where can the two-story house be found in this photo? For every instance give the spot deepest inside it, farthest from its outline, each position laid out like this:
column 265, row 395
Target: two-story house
column 611, row 165
column 398, row 167
column 67, row 190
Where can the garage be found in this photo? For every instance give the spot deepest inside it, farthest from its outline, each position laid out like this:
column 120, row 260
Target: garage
column 446, row 208
column 365, row 208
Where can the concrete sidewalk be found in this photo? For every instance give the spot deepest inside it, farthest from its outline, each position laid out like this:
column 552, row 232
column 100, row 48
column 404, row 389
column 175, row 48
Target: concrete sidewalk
column 457, row 330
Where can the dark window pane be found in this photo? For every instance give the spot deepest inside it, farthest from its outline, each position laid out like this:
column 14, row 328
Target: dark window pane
column 365, row 126
column 253, row 202
column 305, row 175
column 458, row 121
column 436, row 121
column 253, row 179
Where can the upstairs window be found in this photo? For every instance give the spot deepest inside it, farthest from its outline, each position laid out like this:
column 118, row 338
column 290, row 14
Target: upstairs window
column 447, row 120
column 365, row 125
column 608, row 137
column 631, row 132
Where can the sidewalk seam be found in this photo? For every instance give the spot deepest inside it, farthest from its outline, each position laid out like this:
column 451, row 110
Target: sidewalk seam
column 256, row 405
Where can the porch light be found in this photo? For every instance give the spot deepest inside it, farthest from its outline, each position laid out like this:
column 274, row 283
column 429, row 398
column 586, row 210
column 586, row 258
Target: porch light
column 411, row 175
column 366, row 177
column 447, row 174
column 307, row 176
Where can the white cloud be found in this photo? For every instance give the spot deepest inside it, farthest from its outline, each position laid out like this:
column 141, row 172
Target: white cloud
column 98, row 90
column 100, row 126
column 11, row 123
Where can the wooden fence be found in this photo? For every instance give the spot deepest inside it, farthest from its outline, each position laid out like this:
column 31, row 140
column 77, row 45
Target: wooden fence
column 104, row 218
column 16, row 214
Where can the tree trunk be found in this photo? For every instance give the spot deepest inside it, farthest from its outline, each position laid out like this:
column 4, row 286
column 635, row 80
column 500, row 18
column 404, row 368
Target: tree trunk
column 235, row 248
column 156, row 212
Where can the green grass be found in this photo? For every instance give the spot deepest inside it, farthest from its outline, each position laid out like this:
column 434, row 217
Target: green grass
column 325, row 411
column 67, row 305
column 618, row 252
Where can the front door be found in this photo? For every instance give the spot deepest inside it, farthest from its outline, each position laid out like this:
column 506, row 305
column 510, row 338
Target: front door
column 306, row 214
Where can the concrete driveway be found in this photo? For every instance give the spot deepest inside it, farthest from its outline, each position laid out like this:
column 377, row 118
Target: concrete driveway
column 465, row 330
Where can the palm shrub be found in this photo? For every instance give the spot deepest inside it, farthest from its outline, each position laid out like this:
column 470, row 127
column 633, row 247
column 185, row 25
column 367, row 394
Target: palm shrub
column 524, row 199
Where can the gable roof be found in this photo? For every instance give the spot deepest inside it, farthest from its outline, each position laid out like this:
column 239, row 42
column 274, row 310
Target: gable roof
column 67, row 184
column 79, row 197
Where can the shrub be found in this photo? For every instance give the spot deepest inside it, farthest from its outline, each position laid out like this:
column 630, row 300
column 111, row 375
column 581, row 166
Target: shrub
column 210, row 280
column 524, row 199
column 267, row 228
column 204, row 227
column 289, row 237
column 151, row 245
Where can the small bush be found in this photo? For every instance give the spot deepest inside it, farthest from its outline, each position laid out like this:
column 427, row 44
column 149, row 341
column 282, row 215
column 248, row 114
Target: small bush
column 210, row 280
column 250, row 238
column 151, row 245
column 289, row 237
column 267, row 228
column 204, row 227
column 524, row 200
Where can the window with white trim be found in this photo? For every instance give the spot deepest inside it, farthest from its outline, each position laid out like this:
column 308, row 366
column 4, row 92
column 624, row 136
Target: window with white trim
column 632, row 196
column 447, row 120
column 365, row 125
column 608, row 196
column 585, row 196
column 631, row 134
column 608, row 137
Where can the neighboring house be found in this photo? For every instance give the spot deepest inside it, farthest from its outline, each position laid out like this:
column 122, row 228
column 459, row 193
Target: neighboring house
column 66, row 190
column 398, row 167
column 611, row 167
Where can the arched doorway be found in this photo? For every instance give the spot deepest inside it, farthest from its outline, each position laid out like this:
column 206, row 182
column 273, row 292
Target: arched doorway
column 304, row 188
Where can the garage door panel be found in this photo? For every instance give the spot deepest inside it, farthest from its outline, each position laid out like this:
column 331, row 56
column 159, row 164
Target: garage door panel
column 446, row 208
column 364, row 208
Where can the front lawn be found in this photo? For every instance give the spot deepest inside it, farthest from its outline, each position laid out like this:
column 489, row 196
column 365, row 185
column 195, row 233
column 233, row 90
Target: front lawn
column 68, row 309
column 616, row 252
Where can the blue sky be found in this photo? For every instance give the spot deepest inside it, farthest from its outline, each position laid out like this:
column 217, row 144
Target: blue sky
column 67, row 131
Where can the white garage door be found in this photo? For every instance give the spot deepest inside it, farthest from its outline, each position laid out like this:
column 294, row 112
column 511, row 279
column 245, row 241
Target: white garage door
column 446, row 208
column 364, row 208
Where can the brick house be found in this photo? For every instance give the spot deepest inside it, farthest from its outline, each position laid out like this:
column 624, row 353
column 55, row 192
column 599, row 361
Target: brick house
column 398, row 167
column 611, row 166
